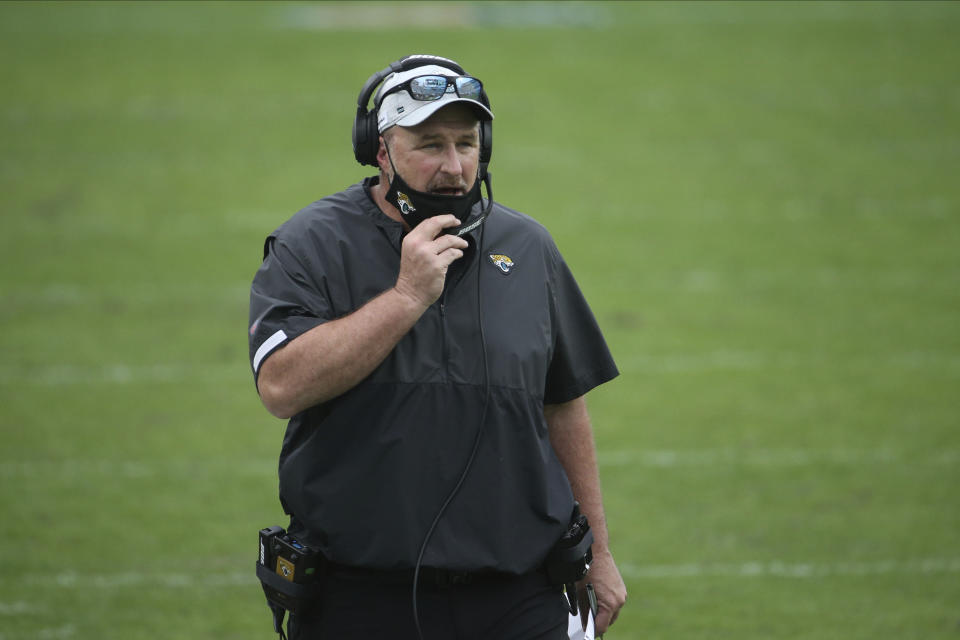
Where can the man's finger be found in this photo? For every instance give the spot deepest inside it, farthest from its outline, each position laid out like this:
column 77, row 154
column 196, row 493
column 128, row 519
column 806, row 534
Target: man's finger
column 434, row 225
column 603, row 619
column 451, row 255
column 446, row 241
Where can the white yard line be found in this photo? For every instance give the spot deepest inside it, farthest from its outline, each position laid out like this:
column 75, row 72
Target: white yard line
column 767, row 457
column 18, row 608
column 246, row 579
column 60, row 294
column 791, row 569
column 132, row 469
column 59, row 375
column 734, row 360
column 120, row 580
column 659, row 459
column 67, row 374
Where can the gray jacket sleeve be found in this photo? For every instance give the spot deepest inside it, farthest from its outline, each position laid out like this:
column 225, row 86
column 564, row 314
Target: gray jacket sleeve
column 581, row 359
column 285, row 301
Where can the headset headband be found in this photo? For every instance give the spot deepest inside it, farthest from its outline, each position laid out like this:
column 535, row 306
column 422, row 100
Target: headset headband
column 404, row 64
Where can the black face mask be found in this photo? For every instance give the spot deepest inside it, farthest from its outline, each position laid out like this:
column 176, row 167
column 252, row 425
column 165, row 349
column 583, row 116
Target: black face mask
column 416, row 206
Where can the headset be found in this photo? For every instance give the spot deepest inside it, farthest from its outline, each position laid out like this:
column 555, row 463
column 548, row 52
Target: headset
column 366, row 136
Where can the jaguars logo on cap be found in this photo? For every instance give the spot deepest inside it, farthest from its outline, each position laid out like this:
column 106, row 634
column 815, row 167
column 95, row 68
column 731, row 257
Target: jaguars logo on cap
column 502, row 262
column 405, row 205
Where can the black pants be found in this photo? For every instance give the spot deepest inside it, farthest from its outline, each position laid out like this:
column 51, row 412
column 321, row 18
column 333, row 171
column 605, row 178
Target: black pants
column 367, row 607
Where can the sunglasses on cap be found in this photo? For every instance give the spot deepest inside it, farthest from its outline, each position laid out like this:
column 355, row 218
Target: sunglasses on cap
column 433, row 87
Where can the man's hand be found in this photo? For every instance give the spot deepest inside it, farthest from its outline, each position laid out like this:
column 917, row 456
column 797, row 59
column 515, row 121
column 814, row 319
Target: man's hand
column 572, row 438
column 609, row 587
column 335, row 356
column 425, row 257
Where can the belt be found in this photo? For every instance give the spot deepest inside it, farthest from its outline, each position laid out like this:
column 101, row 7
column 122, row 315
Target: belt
column 428, row 577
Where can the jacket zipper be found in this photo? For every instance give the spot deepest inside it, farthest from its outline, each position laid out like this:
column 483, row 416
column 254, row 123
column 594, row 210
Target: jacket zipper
column 454, row 276
column 444, row 353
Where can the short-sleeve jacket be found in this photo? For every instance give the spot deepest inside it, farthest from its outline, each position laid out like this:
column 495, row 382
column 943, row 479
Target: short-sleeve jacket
column 364, row 474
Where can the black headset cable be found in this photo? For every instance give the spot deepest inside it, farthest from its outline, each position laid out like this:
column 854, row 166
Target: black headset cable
column 483, row 418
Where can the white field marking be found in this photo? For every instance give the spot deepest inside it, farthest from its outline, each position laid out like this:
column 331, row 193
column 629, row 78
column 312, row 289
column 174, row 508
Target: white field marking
column 378, row 15
column 323, row 17
column 947, row 456
column 722, row 281
column 51, row 633
column 133, row 469
column 127, row 579
column 71, row 468
column 130, row 579
column 923, row 566
column 54, row 633
column 730, row 360
column 695, row 362
column 774, row 458
column 18, row 608
column 59, row 375
column 61, row 294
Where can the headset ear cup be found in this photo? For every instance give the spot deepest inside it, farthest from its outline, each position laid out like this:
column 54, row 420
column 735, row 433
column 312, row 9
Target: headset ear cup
column 373, row 140
column 366, row 139
column 486, row 147
column 357, row 135
column 486, row 141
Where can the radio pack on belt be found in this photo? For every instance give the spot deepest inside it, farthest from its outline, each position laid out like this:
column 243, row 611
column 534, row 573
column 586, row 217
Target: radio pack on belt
column 289, row 572
column 569, row 560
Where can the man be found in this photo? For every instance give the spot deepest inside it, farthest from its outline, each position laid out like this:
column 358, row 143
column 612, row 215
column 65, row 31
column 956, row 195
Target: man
column 433, row 369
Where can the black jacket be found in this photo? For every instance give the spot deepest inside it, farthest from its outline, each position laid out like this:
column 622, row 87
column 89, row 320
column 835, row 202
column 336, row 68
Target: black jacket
column 364, row 474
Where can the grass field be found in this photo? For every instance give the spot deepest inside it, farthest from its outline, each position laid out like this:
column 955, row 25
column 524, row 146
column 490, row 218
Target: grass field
column 756, row 199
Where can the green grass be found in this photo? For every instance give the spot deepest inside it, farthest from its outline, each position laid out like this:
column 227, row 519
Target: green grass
column 756, row 199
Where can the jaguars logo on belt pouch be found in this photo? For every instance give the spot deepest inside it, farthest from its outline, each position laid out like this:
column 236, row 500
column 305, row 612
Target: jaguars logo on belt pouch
column 504, row 263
